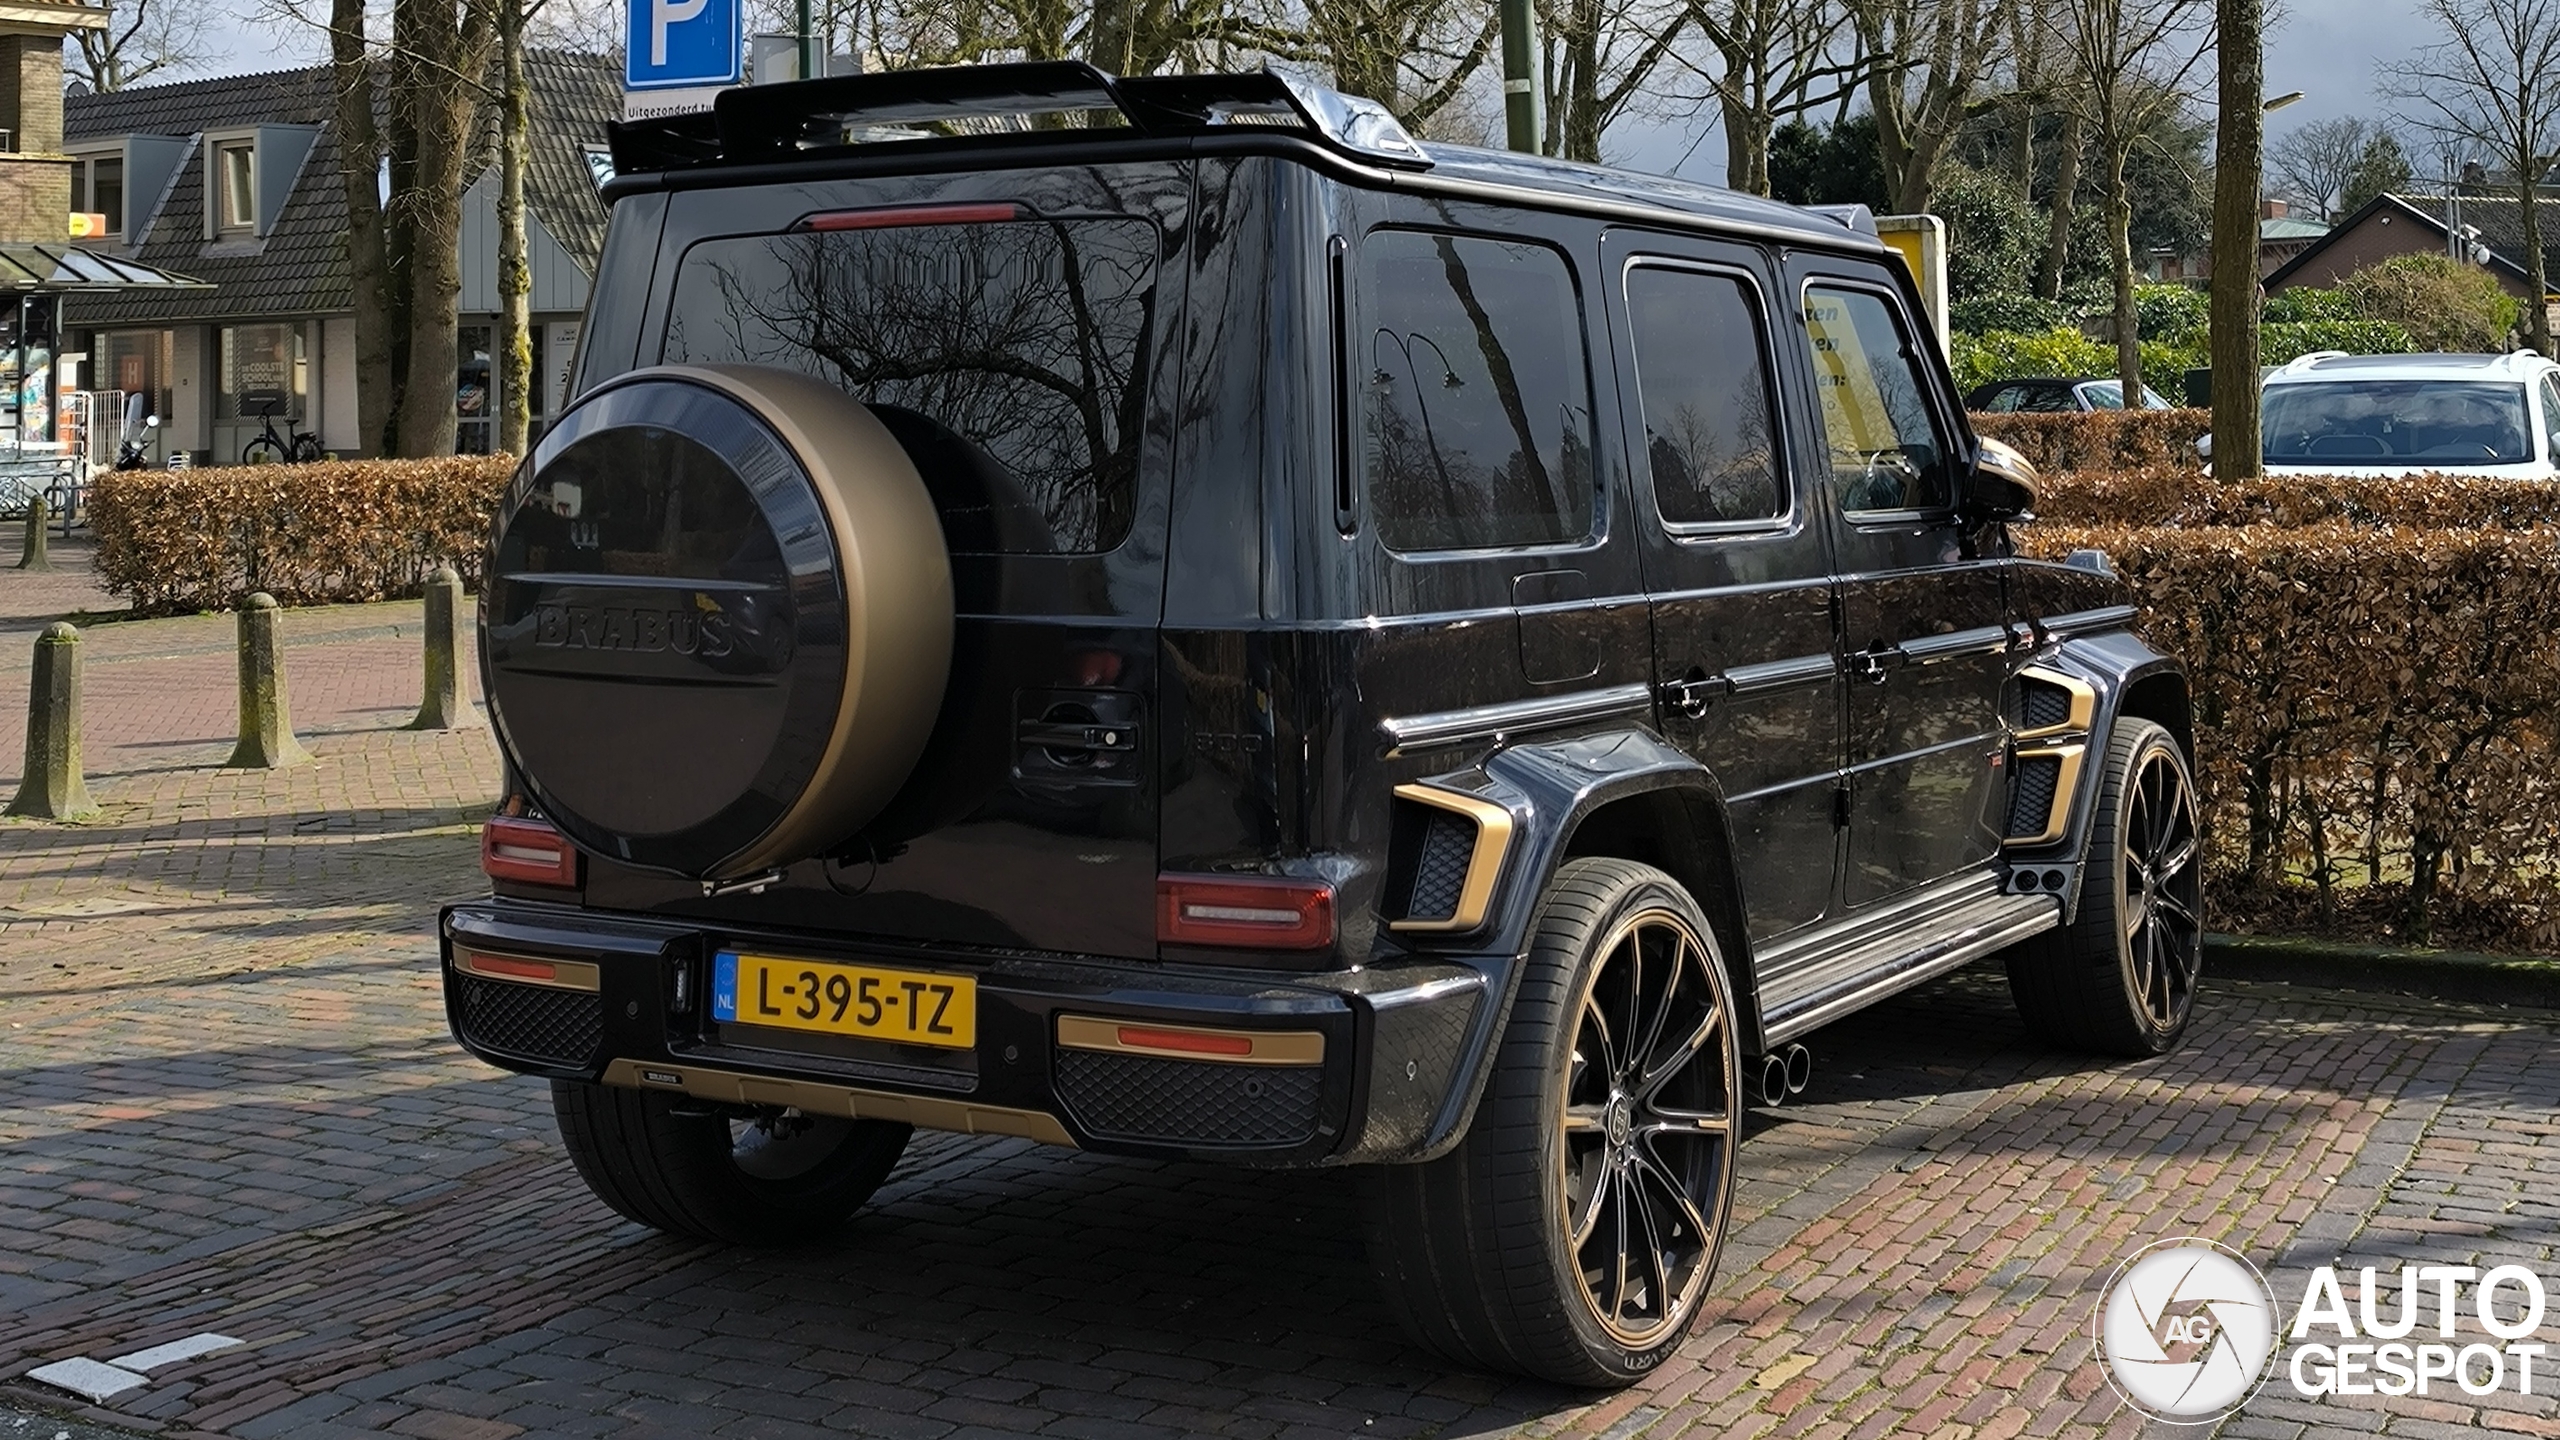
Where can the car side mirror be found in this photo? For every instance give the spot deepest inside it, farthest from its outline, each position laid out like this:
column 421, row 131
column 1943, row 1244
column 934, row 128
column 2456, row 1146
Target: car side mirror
column 2002, row 485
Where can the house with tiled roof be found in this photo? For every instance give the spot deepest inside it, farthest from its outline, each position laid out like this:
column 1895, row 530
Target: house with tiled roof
column 236, row 181
column 2410, row 224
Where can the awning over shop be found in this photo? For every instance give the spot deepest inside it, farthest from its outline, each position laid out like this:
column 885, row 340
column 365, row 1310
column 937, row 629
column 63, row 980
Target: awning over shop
column 30, row 268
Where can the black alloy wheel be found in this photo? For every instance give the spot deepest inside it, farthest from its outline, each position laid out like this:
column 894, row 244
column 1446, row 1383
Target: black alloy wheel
column 1573, row 1231
column 2121, row 978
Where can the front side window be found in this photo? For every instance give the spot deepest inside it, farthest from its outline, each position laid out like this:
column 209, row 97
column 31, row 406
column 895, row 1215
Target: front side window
column 1884, row 448
column 2550, row 419
column 237, row 183
column 1476, row 427
column 1008, row 356
column 2432, row 423
column 1702, row 381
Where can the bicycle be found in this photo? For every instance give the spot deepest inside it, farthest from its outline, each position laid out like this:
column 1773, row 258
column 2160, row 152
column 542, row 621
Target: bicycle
column 271, row 448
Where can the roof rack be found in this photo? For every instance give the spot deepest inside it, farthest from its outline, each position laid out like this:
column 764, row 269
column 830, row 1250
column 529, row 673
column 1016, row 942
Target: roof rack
column 762, row 124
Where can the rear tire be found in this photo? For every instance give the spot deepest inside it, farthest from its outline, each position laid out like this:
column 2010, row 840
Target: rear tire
column 781, row 1179
column 2121, row 978
column 1573, row 1232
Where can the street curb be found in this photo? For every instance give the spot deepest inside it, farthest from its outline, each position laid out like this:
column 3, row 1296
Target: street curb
column 2434, row 974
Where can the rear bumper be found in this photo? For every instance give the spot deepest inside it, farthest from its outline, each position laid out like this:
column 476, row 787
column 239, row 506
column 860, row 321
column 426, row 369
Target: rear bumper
column 623, row 1000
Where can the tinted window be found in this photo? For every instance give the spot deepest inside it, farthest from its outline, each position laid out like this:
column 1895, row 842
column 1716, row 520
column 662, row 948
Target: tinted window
column 1702, row 381
column 1008, row 357
column 2432, row 422
column 1477, row 427
column 1884, row 449
column 2550, row 420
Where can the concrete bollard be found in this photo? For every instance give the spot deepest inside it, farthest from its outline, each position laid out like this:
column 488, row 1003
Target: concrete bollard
column 32, row 556
column 446, row 707
column 53, row 788
column 266, row 728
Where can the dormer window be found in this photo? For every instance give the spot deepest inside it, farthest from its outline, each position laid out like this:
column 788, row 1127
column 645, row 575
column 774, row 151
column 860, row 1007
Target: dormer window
column 97, row 188
column 235, row 185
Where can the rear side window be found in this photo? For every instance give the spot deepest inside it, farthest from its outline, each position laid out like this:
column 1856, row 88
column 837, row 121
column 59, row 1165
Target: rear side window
column 1009, row 357
column 1476, row 431
column 1702, row 378
column 1885, row 450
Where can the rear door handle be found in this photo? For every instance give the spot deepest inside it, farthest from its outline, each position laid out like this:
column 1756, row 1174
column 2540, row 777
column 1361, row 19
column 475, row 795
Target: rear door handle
column 1051, row 735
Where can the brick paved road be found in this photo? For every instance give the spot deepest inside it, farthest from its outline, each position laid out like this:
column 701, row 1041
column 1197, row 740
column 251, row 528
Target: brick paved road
column 238, row 1111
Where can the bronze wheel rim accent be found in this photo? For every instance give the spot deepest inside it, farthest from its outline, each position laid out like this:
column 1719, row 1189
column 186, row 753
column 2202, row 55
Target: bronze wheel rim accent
column 1646, row 1146
column 2163, row 889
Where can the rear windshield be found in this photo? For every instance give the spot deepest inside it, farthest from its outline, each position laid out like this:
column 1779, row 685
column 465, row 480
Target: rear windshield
column 2397, row 422
column 1009, row 357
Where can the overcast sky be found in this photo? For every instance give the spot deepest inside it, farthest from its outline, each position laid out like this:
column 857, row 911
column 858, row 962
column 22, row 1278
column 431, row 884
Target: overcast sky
column 2325, row 48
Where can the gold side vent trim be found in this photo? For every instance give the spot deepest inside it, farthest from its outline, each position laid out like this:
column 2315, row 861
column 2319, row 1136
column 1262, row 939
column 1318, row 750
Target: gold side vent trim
column 2066, row 784
column 2084, row 703
column 960, row 1117
column 1191, row 1042
column 529, row 970
column 1484, row 863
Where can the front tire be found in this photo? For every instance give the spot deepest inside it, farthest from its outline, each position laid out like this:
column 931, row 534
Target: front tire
column 1572, row 1234
column 2121, row 978
column 262, row 452
column 776, row 1179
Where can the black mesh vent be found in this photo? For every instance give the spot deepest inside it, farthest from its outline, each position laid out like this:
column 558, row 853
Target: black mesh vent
column 2045, row 705
column 532, row 1022
column 1187, row 1102
column 1441, row 874
column 2031, row 795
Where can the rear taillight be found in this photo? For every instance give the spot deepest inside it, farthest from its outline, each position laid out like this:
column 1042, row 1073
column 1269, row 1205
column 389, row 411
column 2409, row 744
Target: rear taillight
column 891, row 217
column 1265, row 912
column 530, row 851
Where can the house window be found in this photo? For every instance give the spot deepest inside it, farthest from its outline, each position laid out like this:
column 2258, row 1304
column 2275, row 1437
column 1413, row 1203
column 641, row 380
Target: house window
column 263, row 368
column 97, row 188
column 235, row 169
column 599, row 164
column 473, row 392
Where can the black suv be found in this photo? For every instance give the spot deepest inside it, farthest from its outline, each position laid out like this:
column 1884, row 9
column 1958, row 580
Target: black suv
column 1164, row 616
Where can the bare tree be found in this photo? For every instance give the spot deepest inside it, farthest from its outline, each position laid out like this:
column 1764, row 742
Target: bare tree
column 2495, row 80
column 1773, row 60
column 352, row 74
column 515, row 268
column 143, row 38
column 2314, row 162
column 2133, row 63
column 2239, row 140
column 1600, row 57
column 1935, row 60
column 440, row 49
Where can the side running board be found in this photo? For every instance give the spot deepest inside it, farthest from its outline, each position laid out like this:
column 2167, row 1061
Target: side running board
column 1845, row 968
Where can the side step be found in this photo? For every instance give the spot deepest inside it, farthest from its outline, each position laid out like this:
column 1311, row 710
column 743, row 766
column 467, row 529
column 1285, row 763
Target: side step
column 1830, row 975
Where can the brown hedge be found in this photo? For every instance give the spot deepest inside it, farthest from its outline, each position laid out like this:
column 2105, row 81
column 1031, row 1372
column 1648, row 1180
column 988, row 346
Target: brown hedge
column 2376, row 704
column 2185, row 496
column 172, row 541
column 2103, row 440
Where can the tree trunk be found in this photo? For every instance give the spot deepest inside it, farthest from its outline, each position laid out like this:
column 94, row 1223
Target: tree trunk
column 368, row 257
column 2238, row 153
column 515, row 270
column 2537, row 310
column 2120, row 238
column 440, row 68
column 1746, row 149
column 2066, row 186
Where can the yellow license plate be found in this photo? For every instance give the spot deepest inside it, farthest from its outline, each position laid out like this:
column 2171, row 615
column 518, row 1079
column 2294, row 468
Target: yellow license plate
column 910, row 1007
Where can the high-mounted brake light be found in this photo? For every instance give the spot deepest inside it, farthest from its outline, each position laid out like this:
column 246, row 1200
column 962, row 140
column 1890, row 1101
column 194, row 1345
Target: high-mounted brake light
column 894, row 216
column 532, row 851
column 1266, row 912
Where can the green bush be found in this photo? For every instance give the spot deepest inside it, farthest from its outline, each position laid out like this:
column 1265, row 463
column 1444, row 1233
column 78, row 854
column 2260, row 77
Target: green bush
column 2283, row 341
column 1993, row 233
column 2007, row 355
column 2011, row 310
column 2442, row 303
column 2172, row 313
column 2307, row 303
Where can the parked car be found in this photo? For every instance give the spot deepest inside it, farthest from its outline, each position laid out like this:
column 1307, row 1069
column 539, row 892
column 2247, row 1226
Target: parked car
column 2054, row 395
column 1238, row 635
column 2336, row 414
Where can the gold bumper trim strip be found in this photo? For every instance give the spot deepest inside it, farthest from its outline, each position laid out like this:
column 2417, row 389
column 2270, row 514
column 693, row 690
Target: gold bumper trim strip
column 1484, row 864
column 564, row 974
column 1264, row 1047
column 810, row 1097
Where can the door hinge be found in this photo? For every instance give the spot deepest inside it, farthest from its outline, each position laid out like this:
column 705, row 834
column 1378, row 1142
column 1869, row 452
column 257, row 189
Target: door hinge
column 1840, row 807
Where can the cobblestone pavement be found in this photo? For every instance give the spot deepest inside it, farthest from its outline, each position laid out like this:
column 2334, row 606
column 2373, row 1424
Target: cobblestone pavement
column 227, row 1102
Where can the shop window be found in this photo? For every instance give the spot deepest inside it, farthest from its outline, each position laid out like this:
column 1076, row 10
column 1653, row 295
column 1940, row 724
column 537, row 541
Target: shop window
column 263, row 367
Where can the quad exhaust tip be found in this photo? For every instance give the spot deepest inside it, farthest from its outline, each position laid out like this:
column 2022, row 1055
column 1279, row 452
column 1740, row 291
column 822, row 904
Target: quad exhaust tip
column 1784, row 1072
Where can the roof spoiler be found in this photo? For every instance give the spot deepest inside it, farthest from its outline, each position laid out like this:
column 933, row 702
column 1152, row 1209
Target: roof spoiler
column 1857, row 218
column 763, row 124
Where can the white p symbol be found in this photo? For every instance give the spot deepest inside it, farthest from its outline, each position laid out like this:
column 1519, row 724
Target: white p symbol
column 664, row 13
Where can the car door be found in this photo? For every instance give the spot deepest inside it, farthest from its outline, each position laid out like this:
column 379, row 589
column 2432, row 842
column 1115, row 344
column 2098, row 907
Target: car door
column 1923, row 629
column 1734, row 559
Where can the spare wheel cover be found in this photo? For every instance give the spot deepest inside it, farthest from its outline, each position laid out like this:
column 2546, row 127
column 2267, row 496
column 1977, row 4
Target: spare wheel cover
column 718, row 628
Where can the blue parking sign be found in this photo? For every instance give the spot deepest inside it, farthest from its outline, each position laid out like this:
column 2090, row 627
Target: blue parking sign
column 674, row 43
